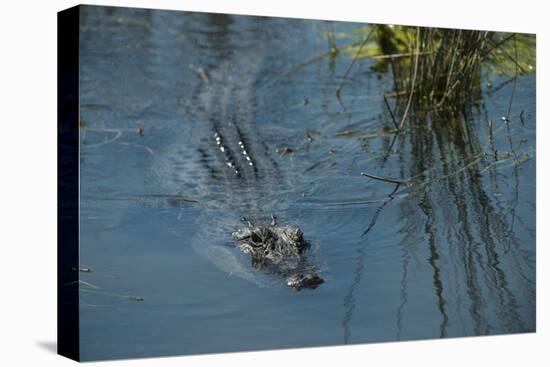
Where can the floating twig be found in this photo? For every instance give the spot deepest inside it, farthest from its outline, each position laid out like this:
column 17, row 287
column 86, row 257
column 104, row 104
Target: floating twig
column 82, row 270
column 382, row 178
column 130, row 297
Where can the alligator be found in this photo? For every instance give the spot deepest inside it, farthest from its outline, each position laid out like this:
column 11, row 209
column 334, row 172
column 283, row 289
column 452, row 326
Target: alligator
column 240, row 171
column 223, row 162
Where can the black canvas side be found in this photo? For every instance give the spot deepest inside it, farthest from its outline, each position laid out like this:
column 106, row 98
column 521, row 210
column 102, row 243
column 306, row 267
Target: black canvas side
column 68, row 182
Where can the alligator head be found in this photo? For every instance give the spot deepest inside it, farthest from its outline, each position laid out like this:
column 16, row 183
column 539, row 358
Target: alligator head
column 279, row 247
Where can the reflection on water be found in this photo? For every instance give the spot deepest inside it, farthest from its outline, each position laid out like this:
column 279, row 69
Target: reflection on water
column 447, row 250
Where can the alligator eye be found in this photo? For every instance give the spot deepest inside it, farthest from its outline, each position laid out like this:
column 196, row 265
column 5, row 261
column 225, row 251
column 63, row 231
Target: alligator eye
column 255, row 238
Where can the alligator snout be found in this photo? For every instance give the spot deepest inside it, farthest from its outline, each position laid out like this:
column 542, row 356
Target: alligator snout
column 300, row 281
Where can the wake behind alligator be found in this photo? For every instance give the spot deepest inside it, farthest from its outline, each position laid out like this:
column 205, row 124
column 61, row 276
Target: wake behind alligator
column 221, row 160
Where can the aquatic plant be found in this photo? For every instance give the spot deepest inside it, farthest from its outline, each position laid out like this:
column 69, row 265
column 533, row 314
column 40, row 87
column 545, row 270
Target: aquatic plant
column 437, row 69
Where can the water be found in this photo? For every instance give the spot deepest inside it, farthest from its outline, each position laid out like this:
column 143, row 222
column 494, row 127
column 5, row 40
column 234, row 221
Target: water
column 450, row 254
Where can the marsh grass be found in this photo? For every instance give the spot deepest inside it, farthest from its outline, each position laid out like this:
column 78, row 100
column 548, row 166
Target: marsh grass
column 439, row 70
column 443, row 71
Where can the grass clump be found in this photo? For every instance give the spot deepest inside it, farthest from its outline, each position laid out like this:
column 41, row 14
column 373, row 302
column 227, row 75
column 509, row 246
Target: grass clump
column 437, row 69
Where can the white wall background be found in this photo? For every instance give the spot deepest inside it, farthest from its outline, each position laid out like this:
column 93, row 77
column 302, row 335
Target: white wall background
column 28, row 182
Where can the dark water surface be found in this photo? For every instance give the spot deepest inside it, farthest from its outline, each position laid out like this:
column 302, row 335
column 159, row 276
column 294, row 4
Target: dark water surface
column 451, row 253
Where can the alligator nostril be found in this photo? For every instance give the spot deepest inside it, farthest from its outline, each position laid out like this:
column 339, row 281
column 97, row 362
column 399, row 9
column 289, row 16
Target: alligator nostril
column 300, row 281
